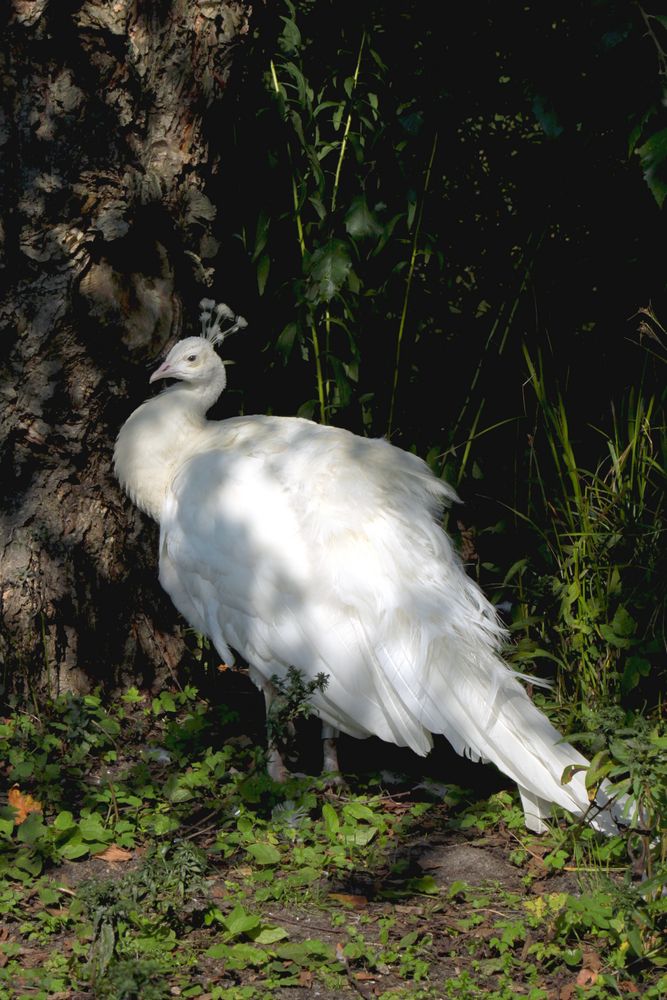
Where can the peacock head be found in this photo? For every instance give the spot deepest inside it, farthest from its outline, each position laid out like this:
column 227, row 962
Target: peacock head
column 191, row 360
column 194, row 359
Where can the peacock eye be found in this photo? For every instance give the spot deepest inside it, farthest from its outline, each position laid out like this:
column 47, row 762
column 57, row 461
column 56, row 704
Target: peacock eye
column 192, row 357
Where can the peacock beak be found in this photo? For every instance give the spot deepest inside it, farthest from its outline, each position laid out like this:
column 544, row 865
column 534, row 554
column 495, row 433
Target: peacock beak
column 164, row 371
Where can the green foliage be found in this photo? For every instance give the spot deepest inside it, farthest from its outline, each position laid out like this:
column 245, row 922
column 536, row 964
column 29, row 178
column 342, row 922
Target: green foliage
column 601, row 580
column 630, row 756
column 222, row 852
column 134, row 979
column 292, row 701
column 334, row 131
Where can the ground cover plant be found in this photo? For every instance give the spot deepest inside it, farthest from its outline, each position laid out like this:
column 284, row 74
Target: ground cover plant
column 163, row 862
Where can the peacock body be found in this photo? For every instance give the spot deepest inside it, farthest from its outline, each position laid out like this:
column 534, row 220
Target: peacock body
column 302, row 545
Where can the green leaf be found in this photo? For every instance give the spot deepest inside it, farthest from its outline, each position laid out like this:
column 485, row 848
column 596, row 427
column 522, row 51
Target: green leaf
column 615, row 640
column 303, row 952
column 168, row 703
column 425, row 884
column 290, row 39
column 160, row 824
column 264, row 854
column 458, row 888
column 307, row 409
column 412, row 122
column 91, row 828
column 174, row 791
column 546, row 116
column 357, row 810
column 360, row 221
column 570, row 771
column 286, row 339
column 653, row 156
column 263, row 268
column 31, row 829
column 359, row 835
column 104, row 946
column 635, row 940
column 327, row 270
column 261, row 234
column 239, row 922
column 331, row 821
column 242, row 955
column 26, row 864
column 74, row 849
column 600, row 766
column 623, row 623
column 344, row 389
column 635, row 667
column 269, row 935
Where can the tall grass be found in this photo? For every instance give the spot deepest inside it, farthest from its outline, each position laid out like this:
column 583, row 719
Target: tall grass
column 599, row 594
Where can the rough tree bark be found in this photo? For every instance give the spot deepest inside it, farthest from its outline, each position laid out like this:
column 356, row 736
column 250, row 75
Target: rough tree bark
column 104, row 119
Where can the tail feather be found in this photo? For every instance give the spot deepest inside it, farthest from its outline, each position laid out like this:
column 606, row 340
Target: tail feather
column 476, row 701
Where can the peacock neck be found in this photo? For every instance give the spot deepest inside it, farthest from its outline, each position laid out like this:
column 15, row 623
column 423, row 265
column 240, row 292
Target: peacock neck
column 157, row 439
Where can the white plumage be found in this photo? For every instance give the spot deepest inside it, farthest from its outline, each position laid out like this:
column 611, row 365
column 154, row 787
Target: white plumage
column 303, row 545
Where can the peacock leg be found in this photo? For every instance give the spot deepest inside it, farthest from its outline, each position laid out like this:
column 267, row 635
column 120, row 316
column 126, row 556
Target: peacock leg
column 330, row 765
column 275, row 764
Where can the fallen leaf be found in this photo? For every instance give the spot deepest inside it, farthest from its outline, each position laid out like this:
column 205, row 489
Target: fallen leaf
column 24, row 804
column 305, row 978
column 366, row 977
column 114, row 853
column 391, row 805
column 587, row 978
column 591, row 960
column 539, row 888
column 538, row 849
column 536, row 866
column 245, row 871
column 358, row 902
column 625, row 984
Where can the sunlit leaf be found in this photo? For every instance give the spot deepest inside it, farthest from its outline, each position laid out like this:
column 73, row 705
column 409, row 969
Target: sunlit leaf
column 22, row 803
column 239, row 922
column 331, row 821
column 269, row 935
column 264, row 854
column 114, row 853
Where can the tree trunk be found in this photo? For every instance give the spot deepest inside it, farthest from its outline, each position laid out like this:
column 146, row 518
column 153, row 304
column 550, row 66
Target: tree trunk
column 106, row 226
